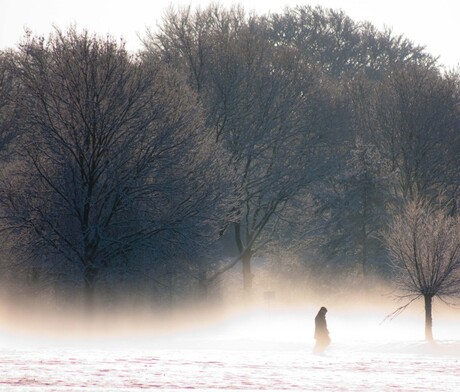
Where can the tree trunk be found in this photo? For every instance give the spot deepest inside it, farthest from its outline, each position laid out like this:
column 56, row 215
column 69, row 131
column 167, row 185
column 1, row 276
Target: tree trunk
column 203, row 285
column 428, row 317
column 90, row 279
column 364, row 237
column 247, row 274
column 364, row 259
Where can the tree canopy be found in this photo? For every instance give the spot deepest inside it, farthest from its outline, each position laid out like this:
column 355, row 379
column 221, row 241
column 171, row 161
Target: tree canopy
column 229, row 136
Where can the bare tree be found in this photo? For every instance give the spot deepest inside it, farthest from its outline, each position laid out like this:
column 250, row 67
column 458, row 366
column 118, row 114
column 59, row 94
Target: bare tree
column 354, row 57
column 415, row 126
column 424, row 247
column 341, row 46
column 8, row 109
column 352, row 209
column 266, row 106
column 114, row 157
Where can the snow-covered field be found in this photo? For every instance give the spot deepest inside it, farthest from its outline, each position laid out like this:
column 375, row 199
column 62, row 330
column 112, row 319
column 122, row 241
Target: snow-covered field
column 258, row 350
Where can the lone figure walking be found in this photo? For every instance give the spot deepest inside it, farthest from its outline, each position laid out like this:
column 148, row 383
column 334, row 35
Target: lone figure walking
column 321, row 332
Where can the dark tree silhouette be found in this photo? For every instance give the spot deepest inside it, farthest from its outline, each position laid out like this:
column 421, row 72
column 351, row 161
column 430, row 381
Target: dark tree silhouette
column 264, row 103
column 113, row 158
column 424, row 247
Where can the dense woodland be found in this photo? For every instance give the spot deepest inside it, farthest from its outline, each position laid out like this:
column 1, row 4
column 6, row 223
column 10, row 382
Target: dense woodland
column 235, row 150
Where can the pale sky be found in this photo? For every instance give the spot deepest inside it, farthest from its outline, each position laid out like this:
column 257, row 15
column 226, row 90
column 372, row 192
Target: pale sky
column 433, row 24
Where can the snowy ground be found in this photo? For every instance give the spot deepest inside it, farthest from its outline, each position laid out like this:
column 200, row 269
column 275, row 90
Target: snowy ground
column 262, row 350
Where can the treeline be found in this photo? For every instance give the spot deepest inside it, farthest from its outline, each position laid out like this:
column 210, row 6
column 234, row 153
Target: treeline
column 229, row 137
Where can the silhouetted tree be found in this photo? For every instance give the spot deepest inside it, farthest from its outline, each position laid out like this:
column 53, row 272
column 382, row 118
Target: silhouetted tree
column 8, row 109
column 265, row 104
column 415, row 128
column 352, row 208
column 424, row 247
column 353, row 58
column 114, row 159
column 407, row 128
column 341, row 46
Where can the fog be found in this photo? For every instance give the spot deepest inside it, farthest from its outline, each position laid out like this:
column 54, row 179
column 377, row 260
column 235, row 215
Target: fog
column 362, row 316
column 266, row 345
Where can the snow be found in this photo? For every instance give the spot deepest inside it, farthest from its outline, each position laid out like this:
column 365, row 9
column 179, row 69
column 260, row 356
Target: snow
column 257, row 350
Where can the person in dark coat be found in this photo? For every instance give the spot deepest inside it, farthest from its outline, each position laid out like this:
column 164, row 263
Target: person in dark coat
column 321, row 332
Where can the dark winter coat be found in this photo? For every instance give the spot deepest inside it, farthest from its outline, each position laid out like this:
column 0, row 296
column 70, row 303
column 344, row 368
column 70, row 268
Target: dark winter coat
column 321, row 331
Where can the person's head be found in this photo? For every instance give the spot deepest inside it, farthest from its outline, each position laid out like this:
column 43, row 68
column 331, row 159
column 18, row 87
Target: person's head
column 323, row 310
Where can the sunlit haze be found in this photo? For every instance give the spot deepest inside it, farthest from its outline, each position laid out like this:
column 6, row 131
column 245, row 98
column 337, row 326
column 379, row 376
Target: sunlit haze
column 360, row 316
column 427, row 23
column 266, row 347
column 158, row 237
